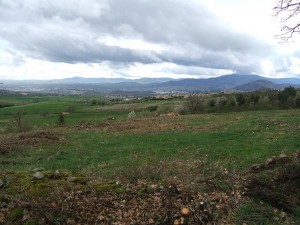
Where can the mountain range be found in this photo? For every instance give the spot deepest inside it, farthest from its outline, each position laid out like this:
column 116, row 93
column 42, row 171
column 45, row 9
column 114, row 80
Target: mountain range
column 233, row 82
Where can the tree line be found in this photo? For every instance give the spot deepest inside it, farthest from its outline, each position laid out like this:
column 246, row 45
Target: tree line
column 288, row 98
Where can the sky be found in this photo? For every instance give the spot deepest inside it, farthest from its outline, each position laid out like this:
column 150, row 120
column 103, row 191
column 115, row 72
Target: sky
column 57, row 39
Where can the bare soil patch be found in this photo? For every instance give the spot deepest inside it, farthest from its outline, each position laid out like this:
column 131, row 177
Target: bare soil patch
column 143, row 125
column 11, row 143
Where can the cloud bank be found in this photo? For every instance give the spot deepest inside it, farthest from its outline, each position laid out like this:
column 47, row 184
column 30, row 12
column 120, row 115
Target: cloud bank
column 176, row 36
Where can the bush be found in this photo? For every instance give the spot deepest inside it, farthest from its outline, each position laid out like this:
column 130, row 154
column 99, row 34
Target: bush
column 131, row 115
column 212, row 102
column 297, row 101
column 231, row 102
column 221, row 101
column 151, row 108
column 180, row 109
column 194, row 104
column 165, row 108
column 61, row 119
column 254, row 98
column 286, row 95
column 93, row 102
column 240, row 98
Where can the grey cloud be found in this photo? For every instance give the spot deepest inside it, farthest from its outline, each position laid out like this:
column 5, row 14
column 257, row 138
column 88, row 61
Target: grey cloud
column 68, row 31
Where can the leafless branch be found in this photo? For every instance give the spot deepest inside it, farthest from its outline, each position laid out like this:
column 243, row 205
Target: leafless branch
column 288, row 10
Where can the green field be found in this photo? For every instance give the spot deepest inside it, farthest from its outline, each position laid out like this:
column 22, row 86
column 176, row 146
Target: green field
column 148, row 146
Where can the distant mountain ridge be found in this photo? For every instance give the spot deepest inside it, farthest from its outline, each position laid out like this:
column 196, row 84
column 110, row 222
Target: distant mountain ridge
column 238, row 82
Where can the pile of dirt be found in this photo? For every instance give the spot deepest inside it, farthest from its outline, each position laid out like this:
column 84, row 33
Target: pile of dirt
column 140, row 125
column 11, row 143
column 90, row 126
column 274, row 162
column 277, row 182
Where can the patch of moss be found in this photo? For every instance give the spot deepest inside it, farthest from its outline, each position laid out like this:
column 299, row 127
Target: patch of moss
column 77, row 180
column 16, row 214
column 252, row 212
column 57, row 174
column 39, row 188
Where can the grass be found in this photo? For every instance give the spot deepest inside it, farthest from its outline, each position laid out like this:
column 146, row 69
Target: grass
column 238, row 140
column 151, row 147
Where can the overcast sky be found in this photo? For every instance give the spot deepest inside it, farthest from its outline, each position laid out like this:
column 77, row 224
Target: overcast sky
column 142, row 38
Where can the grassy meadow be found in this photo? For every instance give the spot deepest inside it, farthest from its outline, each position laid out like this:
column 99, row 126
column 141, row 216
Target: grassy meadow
column 104, row 144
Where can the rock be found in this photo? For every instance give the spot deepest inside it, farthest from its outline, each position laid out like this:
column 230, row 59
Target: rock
column 297, row 155
column 153, row 186
column 57, row 174
column 177, row 222
column 2, row 217
column 255, row 167
column 151, row 221
column 269, row 161
column 282, row 156
column 185, row 211
column 38, row 175
column 38, row 169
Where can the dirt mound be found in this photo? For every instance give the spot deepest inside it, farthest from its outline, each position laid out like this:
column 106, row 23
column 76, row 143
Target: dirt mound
column 89, row 126
column 36, row 137
column 10, row 143
column 277, row 182
column 142, row 125
column 274, row 162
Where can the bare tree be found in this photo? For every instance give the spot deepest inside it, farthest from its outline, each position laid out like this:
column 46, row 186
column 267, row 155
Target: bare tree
column 288, row 11
column 18, row 122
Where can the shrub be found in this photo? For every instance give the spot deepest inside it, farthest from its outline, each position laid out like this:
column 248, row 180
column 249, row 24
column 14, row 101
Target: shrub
column 254, row 98
column 180, row 109
column 151, row 108
column 240, row 98
column 61, row 119
column 93, row 102
column 165, row 108
column 286, row 94
column 131, row 114
column 221, row 101
column 194, row 104
column 297, row 101
column 231, row 101
column 212, row 102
